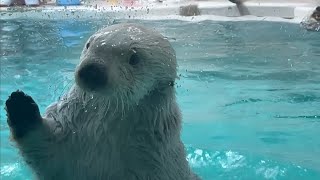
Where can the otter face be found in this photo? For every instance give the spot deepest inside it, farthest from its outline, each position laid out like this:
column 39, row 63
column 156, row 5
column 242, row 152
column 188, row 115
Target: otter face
column 126, row 59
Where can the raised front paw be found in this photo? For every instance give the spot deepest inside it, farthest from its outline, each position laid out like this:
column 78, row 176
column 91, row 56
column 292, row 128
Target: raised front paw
column 22, row 112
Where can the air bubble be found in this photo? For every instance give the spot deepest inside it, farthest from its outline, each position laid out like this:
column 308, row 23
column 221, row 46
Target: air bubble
column 17, row 76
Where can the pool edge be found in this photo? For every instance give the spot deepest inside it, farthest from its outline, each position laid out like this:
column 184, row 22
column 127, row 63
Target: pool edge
column 278, row 12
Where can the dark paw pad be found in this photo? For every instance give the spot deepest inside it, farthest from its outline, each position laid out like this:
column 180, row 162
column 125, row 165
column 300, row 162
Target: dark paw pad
column 23, row 113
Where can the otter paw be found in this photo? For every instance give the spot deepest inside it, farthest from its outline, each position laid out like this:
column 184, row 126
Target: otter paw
column 22, row 113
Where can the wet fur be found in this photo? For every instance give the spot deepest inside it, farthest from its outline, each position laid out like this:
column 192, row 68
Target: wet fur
column 129, row 131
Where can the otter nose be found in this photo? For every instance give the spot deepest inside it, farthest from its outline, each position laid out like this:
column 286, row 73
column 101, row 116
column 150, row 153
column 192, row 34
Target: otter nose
column 93, row 76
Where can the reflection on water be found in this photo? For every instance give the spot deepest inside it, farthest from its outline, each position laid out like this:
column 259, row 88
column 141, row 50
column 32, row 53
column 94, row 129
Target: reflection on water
column 249, row 91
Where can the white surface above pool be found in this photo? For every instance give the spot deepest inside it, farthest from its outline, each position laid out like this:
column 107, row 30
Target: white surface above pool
column 222, row 10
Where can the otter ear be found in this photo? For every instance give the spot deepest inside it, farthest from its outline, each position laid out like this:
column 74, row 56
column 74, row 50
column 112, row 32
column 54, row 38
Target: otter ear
column 318, row 8
column 88, row 45
column 89, row 41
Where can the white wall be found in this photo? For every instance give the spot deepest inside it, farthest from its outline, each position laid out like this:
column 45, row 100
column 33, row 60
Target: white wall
column 314, row 2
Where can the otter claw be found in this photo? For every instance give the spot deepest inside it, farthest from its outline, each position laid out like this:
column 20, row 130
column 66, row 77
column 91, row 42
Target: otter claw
column 22, row 113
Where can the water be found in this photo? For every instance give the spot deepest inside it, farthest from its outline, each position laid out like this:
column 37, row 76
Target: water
column 249, row 91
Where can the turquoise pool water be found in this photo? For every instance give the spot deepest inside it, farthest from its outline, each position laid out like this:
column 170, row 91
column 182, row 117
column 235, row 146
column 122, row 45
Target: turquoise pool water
column 249, row 91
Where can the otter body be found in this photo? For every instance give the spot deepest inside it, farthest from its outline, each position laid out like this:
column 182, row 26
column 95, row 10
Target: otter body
column 120, row 121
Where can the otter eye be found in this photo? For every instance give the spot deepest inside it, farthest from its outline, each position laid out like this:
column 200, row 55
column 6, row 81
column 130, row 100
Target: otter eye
column 134, row 59
column 87, row 45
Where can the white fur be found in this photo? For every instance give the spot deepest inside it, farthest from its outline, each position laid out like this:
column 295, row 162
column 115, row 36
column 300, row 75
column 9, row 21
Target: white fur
column 128, row 131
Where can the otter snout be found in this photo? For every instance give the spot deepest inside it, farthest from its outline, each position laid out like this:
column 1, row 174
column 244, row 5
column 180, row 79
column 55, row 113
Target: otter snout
column 92, row 76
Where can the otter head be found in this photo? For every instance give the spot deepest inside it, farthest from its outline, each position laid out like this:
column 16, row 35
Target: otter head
column 312, row 22
column 126, row 59
column 316, row 14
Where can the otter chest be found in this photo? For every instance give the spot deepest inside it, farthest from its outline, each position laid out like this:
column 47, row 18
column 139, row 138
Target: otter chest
column 113, row 157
